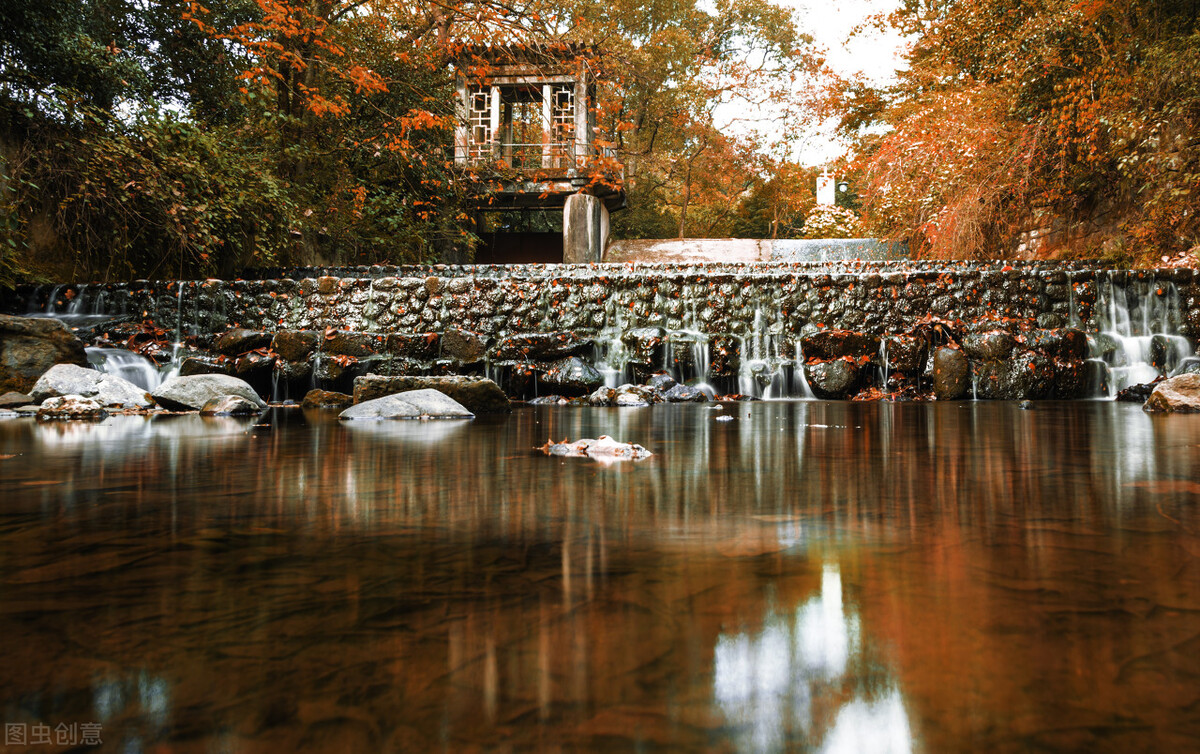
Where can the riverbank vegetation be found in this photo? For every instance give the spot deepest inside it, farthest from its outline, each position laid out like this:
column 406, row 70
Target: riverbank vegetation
column 174, row 138
column 1042, row 127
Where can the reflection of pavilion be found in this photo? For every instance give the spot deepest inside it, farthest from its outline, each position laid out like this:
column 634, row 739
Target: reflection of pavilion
column 527, row 124
column 767, row 682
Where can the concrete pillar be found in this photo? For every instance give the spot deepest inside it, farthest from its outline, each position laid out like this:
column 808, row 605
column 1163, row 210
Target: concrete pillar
column 585, row 229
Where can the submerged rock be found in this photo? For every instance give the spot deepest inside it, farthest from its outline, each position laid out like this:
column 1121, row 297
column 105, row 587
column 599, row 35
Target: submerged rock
column 31, row 345
column 412, row 404
column 479, row 394
column 1178, row 395
column 603, row 448
column 229, row 405
column 106, row 389
column 74, row 407
column 192, row 392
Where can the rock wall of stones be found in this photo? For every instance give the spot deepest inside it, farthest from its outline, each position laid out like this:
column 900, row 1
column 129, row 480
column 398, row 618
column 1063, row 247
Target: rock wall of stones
column 546, row 328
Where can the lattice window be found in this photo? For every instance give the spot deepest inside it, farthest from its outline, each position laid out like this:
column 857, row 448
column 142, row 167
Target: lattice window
column 481, row 122
column 563, row 113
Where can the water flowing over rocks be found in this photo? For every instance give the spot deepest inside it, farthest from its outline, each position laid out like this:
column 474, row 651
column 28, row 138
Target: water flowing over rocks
column 843, row 329
column 1179, row 394
column 193, row 392
column 106, row 389
column 29, row 346
column 412, row 404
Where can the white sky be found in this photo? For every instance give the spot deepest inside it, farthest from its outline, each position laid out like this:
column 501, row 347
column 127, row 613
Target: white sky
column 873, row 54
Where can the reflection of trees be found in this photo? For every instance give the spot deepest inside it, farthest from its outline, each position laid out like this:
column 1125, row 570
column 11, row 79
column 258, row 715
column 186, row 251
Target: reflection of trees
column 435, row 588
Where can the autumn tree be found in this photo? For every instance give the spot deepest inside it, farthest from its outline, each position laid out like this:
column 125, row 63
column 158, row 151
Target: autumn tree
column 1036, row 126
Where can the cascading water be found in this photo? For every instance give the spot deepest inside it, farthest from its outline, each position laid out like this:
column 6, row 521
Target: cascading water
column 127, row 365
column 1138, row 339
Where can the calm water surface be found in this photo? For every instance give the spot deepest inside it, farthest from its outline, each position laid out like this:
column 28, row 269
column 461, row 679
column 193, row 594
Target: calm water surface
column 809, row 577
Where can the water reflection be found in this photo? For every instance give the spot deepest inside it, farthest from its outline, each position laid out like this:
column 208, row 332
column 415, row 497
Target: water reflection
column 810, row 576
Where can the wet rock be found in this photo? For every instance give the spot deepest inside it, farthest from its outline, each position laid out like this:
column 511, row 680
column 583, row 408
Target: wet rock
column 229, row 405
column 1137, row 393
column 571, row 376
column 684, row 394
column 638, row 395
column 205, row 365
column 357, row 345
column 661, row 381
column 989, row 346
column 1166, row 352
column 11, row 399
column 951, row 374
column 1025, row 405
column 602, row 396
column 1179, row 395
column 31, row 345
column 906, row 354
column 548, row 400
column 239, row 340
column 1067, row 343
column 463, row 345
column 295, row 345
column 75, row 407
column 645, row 345
column 327, row 399
column 542, row 346
column 478, row 394
column 835, row 344
column 411, row 404
column 105, row 389
column 293, row 371
column 423, row 346
column 602, row 448
column 832, row 380
column 253, row 365
column 1027, row 375
column 192, row 392
column 725, row 356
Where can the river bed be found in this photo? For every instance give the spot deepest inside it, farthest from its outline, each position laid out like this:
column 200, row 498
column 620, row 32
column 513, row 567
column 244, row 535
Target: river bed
column 810, row 576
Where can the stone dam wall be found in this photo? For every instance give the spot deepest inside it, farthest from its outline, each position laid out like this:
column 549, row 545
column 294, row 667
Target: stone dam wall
column 745, row 328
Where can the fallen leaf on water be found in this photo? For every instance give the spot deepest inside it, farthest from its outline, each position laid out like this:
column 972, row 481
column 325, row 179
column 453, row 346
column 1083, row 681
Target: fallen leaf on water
column 41, row 483
column 5, row 458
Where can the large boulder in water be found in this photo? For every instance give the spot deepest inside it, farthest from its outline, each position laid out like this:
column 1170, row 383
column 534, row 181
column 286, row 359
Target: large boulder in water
column 106, row 389
column 192, row 392
column 832, row 380
column 31, row 345
column 1178, row 395
column 413, row 404
column 951, row 374
column 478, row 394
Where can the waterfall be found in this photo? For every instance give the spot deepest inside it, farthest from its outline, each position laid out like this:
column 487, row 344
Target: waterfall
column 127, row 365
column 1138, row 338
